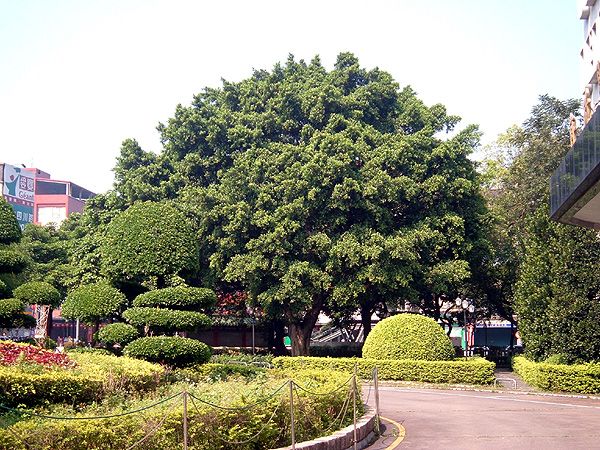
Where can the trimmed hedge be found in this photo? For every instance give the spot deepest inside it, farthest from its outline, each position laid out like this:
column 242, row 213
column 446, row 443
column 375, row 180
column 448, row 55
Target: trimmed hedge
column 38, row 293
column 473, row 371
column 172, row 350
column 114, row 333
column 578, row 378
column 178, row 297
column 408, row 336
column 167, row 319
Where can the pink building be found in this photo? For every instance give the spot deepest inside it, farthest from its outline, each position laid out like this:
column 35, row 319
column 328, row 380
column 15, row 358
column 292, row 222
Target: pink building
column 56, row 199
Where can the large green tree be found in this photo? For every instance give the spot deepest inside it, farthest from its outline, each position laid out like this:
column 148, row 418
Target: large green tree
column 546, row 272
column 321, row 190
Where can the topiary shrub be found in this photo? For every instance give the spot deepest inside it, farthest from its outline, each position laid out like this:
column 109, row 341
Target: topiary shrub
column 408, row 336
column 10, row 231
column 178, row 297
column 91, row 302
column 117, row 333
column 166, row 319
column 172, row 350
column 149, row 239
column 38, row 293
column 12, row 261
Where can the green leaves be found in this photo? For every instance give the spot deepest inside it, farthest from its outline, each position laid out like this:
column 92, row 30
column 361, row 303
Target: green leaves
column 149, row 239
column 38, row 293
column 9, row 227
column 178, row 297
column 93, row 302
column 166, row 319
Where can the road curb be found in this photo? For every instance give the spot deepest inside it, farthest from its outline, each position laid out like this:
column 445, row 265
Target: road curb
column 344, row 438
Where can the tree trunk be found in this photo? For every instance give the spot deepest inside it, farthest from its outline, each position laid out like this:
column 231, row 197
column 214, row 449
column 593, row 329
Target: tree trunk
column 300, row 331
column 365, row 317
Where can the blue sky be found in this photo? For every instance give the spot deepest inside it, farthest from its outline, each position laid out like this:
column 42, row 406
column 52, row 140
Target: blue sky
column 77, row 77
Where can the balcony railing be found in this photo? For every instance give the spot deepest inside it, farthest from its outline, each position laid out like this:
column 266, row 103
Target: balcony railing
column 572, row 184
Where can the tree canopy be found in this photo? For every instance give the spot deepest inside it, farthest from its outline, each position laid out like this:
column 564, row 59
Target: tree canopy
column 318, row 189
column 546, row 271
column 12, row 263
column 149, row 240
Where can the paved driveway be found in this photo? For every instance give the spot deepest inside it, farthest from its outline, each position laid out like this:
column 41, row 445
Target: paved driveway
column 472, row 420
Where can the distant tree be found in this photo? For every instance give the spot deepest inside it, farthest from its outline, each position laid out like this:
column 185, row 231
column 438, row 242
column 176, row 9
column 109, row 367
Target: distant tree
column 545, row 270
column 12, row 263
column 48, row 250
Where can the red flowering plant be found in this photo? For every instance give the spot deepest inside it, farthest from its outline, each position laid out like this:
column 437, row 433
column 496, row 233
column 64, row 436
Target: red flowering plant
column 231, row 309
column 12, row 354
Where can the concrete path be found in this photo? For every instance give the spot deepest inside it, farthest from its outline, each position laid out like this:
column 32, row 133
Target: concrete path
column 421, row 419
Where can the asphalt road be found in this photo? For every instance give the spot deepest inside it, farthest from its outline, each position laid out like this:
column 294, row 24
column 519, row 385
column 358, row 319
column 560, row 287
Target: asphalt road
column 463, row 419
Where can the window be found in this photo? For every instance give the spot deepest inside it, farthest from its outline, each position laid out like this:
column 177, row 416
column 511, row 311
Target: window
column 47, row 214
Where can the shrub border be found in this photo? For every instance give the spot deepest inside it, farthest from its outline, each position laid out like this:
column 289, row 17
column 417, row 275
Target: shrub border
column 477, row 371
column 576, row 378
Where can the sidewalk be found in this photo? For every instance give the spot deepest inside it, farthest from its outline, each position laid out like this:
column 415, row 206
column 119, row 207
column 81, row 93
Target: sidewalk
column 509, row 380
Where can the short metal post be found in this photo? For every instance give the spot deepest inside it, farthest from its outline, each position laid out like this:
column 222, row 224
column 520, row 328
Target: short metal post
column 376, row 384
column 185, row 430
column 293, row 432
column 354, row 407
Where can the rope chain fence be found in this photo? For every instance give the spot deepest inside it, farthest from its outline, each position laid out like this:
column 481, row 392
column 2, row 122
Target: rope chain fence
column 184, row 396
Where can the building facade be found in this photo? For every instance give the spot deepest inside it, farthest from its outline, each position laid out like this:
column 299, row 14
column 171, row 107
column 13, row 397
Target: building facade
column 56, row 199
column 36, row 198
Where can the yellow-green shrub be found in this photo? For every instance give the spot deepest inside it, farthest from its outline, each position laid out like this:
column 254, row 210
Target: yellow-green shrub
column 580, row 378
column 95, row 376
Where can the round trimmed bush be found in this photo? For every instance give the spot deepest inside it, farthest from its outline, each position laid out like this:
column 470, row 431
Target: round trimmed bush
column 178, row 297
column 38, row 293
column 172, row 350
column 408, row 336
column 91, row 302
column 149, row 239
column 166, row 319
column 120, row 333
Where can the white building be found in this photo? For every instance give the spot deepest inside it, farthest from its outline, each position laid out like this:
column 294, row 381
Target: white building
column 590, row 52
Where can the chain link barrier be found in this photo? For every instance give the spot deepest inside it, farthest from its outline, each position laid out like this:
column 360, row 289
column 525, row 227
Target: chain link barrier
column 294, row 390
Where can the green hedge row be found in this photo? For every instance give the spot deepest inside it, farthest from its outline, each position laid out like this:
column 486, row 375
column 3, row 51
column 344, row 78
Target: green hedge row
column 579, row 378
column 473, row 371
